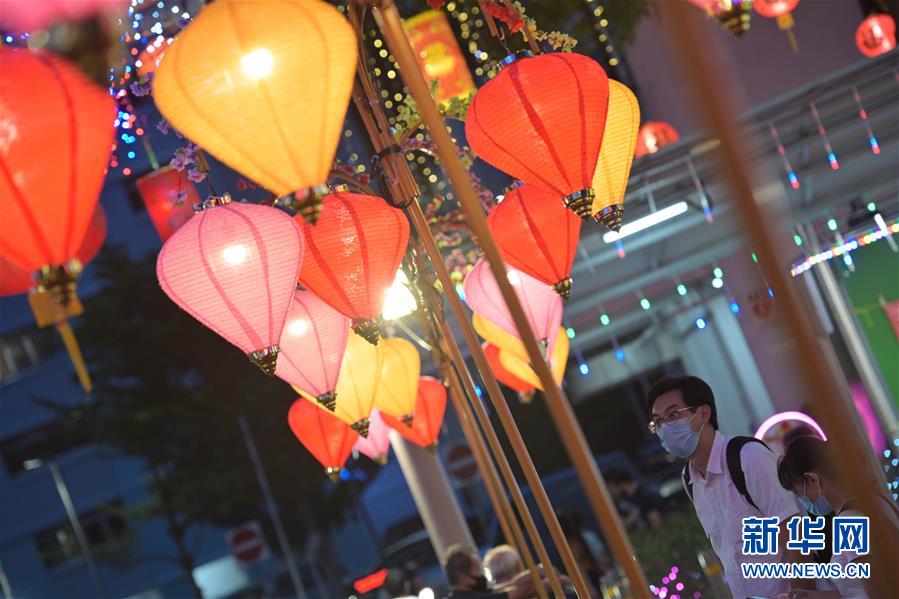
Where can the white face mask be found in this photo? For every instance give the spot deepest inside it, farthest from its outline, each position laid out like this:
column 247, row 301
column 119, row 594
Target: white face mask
column 678, row 437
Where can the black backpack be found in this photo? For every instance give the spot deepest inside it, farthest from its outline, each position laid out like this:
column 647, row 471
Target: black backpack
column 734, row 468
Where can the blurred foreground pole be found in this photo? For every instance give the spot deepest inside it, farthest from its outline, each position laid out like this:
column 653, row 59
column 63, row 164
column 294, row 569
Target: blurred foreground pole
column 766, row 224
column 433, row 496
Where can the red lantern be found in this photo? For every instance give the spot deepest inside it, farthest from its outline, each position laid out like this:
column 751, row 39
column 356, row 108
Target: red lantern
column 774, row 8
column 541, row 120
column 525, row 389
column 233, row 267
column 326, row 436
column 653, row 136
column 876, row 35
column 57, row 135
column 355, row 249
column 170, row 198
column 429, row 409
column 537, row 235
column 15, row 281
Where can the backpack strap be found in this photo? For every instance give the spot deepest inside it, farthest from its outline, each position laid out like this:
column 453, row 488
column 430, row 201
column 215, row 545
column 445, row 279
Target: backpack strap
column 685, row 479
column 735, row 466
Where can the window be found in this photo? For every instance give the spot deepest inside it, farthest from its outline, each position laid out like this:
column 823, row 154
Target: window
column 106, row 531
column 45, row 442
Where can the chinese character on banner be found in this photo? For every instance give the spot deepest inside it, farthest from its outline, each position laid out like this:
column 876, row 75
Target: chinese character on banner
column 850, row 533
column 169, row 197
column 438, row 54
column 806, row 534
column 760, row 536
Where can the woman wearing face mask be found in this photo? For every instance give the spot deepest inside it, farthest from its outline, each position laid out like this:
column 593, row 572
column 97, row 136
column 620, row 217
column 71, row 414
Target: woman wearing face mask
column 806, row 469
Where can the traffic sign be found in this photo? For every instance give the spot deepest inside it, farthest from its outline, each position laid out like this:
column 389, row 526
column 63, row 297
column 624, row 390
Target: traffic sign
column 461, row 464
column 247, row 543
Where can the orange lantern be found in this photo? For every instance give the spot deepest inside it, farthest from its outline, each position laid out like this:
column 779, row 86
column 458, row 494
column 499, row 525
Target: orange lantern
column 616, row 155
column 537, row 235
column 438, row 55
column 876, row 35
column 430, row 407
column 525, row 389
column 170, row 198
column 398, row 385
column 230, row 83
column 326, row 437
column 541, row 120
column 653, row 136
column 558, row 359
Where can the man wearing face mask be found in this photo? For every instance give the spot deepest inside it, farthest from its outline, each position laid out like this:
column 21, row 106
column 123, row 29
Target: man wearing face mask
column 727, row 479
column 467, row 581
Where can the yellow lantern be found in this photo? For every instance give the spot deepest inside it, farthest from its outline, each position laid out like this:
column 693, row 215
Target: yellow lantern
column 359, row 378
column 263, row 85
column 398, row 387
column 494, row 334
column 557, row 361
column 616, row 155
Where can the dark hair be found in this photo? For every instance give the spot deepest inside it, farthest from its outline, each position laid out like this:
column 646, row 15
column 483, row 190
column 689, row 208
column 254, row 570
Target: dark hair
column 618, row 476
column 457, row 562
column 801, row 455
column 695, row 391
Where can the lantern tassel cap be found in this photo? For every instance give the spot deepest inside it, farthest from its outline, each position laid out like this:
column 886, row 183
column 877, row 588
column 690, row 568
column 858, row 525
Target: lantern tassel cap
column 361, row 426
column 60, row 280
column 510, row 58
column 266, row 359
column 213, row 201
column 563, row 288
column 328, row 399
column 333, row 473
column 735, row 19
column 407, row 420
column 610, row 216
column 525, row 398
column 580, row 202
column 369, row 330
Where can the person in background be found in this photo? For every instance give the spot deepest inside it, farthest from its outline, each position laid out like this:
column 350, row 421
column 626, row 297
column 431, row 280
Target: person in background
column 639, row 505
column 806, row 469
column 467, row 580
column 727, row 479
column 502, row 564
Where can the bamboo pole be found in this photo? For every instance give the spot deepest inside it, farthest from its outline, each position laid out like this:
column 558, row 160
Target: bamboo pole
column 856, row 463
column 389, row 21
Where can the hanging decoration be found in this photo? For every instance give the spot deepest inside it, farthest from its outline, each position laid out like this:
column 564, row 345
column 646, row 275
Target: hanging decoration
column 355, row 250
column 233, row 267
column 169, row 197
column 430, row 407
column 15, row 280
column 521, row 122
column 524, row 389
column 357, row 383
column 326, row 437
column 782, row 10
column 58, row 136
column 653, row 136
column 537, row 235
column 398, row 385
column 312, row 347
column 876, row 35
column 229, row 83
column 616, row 156
column 558, row 359
column 542, row 306
column 733, row 15
column 438, row 55
column 377, row 445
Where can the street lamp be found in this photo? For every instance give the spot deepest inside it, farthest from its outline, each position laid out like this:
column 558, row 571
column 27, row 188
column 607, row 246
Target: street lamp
column 66, row 499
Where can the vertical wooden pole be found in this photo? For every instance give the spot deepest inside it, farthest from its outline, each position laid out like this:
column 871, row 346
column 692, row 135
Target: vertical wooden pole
column 563, row 416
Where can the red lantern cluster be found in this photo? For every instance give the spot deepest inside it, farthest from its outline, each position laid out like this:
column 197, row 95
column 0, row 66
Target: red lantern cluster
column 876, row 35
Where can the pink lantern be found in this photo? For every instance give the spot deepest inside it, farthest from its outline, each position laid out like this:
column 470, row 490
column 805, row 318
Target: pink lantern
column 377, row 444
column 312, row 345
column 541, row 304
column 28, row 15
column 234, row 268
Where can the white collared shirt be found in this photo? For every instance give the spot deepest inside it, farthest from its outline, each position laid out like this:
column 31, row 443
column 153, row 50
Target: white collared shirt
column 721, row 508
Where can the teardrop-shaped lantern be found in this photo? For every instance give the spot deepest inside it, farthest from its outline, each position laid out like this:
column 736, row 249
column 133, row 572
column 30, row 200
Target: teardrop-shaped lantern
column 57, row 135
column 263, row 85
column 377, row 445
column 15, row 280
column 614, row 166
column 558, row 360
column 398, row 387
column 502, row 339
column 537, row 235
column 327, row 437
column 541, row 120
column 430, row 407
column 653, row 136
column 542, row 305
column 503, row 375
column 876, row 35
column 354, row 251
column 312, row 346
column 233, row 267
